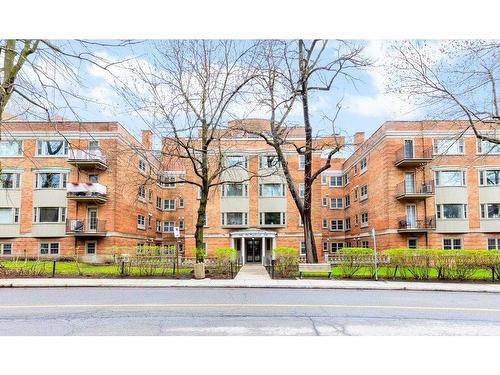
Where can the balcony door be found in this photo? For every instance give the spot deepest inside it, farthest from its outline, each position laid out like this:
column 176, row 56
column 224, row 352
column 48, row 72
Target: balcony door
column 409, row 149
column 411, row 216
column 92, row 219
column 409, row 182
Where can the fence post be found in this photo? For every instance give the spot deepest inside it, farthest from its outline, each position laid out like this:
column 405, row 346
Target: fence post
column 493, row 273
column 122, row 268
column 395, row 271
column 53, row 268
column 173, row 271
column 231, row 265
column 272, row 268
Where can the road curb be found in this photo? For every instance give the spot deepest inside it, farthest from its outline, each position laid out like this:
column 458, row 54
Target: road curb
column 272, row 284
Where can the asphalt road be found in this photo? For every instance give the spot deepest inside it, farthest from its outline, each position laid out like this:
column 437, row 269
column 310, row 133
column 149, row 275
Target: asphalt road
column 218, row 311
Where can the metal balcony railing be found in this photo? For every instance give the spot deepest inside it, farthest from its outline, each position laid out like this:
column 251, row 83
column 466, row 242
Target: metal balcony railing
column 412, row 156
column 406, row 224
column 84, row 227
column 419, row 189
column 91, row 158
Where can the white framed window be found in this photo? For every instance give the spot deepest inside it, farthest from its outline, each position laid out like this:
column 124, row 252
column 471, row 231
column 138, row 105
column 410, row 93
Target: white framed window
column 448, row 146
column 346, row 179
column 365, row 244
column 487, row 147
column 412, row 243
column 141, row 194
column 93, row 145
column 91, row 247
column 181, row 202
column 490, row 211
column 364, row 219
column 11, row 148
column 94, row 178
column 302, row 248
column 324, row 179
column 150, row 195
column 302, row 162
column 9, row 180
column 234, row 190
column 325, row 246
column 51, row 180
column 355, row 193
column 168, row 226
column 336, row 181
column 142, row 165
column 159, row 203
column 450, row 178
column 336, row 246
column 302, row 190
column 181, row 224
column 269, row 161
column 336, row 224
column 325, row 223
column 236, row 161
column 335, row 203
column 158, row 225
column 5, row 248
column 451, row 211
column 168, row 182
column 9, row 215
column 49, row 214
column 150, row 220
column 347, row 223
column 49, row 248
column 356, row 219
column 234, row 218
column 52, row 148
column 324, row 202
column 271, row 190
column 347, row 200
column 272, row 218
column 141, row 222
column 494, row 243
column 489, row 177
column 363, row 165
column 169, row 204
column 452, row 243
column 364, row 193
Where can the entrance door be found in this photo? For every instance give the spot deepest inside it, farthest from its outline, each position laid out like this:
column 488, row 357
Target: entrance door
column 411, row 216
column 253, row 248
column 92, row 219
column 409, row 149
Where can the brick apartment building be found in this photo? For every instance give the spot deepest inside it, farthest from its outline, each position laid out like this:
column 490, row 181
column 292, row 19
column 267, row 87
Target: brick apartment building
column 92, row 188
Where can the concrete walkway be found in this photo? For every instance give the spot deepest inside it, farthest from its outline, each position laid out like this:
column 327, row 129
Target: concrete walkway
column 251, row 273
column 256, row 282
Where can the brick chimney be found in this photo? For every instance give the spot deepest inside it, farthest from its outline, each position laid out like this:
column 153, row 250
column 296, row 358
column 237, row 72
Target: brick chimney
column 359, row 138
column 147, row 138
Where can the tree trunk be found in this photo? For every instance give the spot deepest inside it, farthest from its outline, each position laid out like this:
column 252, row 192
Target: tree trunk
column 200, row 222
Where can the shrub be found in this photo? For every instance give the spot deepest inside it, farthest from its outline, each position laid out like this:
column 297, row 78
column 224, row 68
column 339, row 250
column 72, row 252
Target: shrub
column 353, row 259
column 200, row 255
column 286, row 260
column 224, row 256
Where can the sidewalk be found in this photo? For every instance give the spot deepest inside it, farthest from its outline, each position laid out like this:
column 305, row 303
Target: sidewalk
column 248, row 283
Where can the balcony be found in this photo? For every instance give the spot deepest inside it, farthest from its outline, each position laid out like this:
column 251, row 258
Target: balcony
column 86, row 228
column 87, row 192
column 416, row 226
column 414, row 191
column 406, row 157
column 88, row 159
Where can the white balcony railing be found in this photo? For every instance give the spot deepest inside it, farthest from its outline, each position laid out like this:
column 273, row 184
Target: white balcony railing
column 87, row 155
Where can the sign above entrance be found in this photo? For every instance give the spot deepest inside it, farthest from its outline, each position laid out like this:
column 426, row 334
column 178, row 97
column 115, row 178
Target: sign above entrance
column 249, row 233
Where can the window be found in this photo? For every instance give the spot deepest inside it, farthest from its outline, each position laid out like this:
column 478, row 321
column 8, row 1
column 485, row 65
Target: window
column 302, row 248
column 268, row 161
column 302, row 162
column 142, row 165
column 49, row 214
column 335, row 181
column 180, row 247
column 364, row 219
column 325, row 247
column 142, row 193
column 494, row 243
column 412, row 243
column 449, row 146
column 93, row 145
column 335, row 203
column 346, row 179
column 52, row 148
column 234, row 218
column 451, row 211
column 337, row 224
column 159, row 202
column 141, row 222
column 181, row 202
column 181, row 224
column 490, row 210
column 158, row 225
column 236, row 161
column 272, row 218
column 272, row 190
column 302, row 190
column 452, row 243
column 50, row 180
column 10, row 180
column 169, row 204
column 336, row 246
column 325, row 223
column 5, row 249
column 51, row 248
column 234, row 190
column 347, row 200
column 324, row 201
column 487, row 147
column 348, row 244
column 324, row 179
column 11, row 148
column 355, row 193
column 301, row 222
column 150, row 220
column 356, row 220
column 168, row 226
column 348, row 223
column 150, row 195
column 489, row 177
column 364, row 193
column 93, row 178
column 365, row 244
column 450, row 178
column 168, row 182
column 91, row 247
column 9, row 215
column 363, row 165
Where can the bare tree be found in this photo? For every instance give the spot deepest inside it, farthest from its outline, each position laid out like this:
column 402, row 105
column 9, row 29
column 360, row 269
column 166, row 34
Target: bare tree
column 457, row 79
column 184, row 94
column 290, row 72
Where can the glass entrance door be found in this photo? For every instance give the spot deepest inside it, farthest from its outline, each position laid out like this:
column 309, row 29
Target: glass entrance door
column 253, row 250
